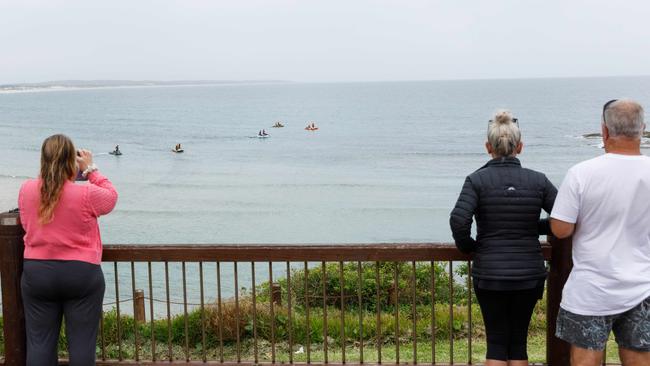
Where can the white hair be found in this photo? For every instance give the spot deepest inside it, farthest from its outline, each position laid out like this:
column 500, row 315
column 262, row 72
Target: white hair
column 624, row 118
column 503, row 134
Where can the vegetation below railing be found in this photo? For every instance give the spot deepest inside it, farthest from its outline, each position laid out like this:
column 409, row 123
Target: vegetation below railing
column 127, row 328
column 375, row 279
column 301, row 329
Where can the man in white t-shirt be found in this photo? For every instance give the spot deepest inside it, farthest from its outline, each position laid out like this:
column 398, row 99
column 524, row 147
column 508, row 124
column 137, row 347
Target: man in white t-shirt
column 605, row 204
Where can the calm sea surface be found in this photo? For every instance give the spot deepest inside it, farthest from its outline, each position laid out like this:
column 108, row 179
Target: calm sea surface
column 385, row 166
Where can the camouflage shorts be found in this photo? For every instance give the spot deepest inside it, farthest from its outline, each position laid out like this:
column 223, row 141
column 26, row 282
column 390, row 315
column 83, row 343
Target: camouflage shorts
column 631, row 328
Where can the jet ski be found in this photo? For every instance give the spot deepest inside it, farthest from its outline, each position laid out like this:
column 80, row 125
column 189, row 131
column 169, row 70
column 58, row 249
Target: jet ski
column 116, row 153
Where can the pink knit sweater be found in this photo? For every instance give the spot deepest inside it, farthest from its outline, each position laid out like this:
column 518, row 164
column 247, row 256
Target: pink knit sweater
column 73, row 234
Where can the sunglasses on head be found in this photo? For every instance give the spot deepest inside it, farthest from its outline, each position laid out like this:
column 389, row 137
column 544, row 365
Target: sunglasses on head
column 514, row 120
column 607, row 105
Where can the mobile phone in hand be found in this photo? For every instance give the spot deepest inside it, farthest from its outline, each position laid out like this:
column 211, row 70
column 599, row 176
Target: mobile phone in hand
column 80, row 176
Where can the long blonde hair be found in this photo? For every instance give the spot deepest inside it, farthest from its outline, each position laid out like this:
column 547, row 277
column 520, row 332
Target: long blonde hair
column 58, row 164
column 503, row 134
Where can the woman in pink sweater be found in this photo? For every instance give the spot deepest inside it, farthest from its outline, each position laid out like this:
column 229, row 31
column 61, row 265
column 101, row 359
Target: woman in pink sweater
column 63, row 252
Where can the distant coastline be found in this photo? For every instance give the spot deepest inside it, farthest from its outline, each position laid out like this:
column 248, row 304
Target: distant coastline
column 103, row 84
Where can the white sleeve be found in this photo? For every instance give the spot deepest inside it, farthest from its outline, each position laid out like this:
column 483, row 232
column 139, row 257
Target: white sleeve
column 567, row 203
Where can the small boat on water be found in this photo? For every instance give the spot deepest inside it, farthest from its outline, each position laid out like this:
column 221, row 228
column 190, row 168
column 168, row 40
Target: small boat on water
column 178, row 148
column 116, row 151
column 278, row 125
column 262, row 134
column 178, row 151
column 311, row 127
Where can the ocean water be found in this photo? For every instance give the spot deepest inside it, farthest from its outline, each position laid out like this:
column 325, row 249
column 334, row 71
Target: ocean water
column 386, row 164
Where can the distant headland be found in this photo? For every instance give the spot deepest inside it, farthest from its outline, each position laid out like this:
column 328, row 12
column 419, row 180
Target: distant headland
column 90, row 84
column 646, row 134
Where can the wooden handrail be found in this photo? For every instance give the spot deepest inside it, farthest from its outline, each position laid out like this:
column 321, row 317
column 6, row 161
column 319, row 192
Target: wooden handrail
column 288, row 252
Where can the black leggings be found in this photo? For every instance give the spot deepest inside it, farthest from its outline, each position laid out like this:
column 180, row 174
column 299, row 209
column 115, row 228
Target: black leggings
column 506, row 315
column 52, row 289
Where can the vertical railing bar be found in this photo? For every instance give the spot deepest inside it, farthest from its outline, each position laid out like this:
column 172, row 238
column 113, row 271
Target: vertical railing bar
column 469, row 312
column 272, row 314
column 325, row 326
column 219, row 301
column 433, row 313
column 117, row 306
column 342, row 290
column 203, row 351
column 451, row 313
column 378, row 310
column 136, row 337
column 253, row 283
column 237, row 315
column 187, row 335
column 169, row 318
column 397, row 332
column 307, row 313
column 359, row 286
column 413, row 310
column 290, row 320
column 101, row 330
column 151, row 316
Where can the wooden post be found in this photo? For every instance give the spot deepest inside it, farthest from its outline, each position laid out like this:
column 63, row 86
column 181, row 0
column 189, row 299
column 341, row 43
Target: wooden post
column 276, row 293
column 11, row 268
column 138, row 306
column 557, row 350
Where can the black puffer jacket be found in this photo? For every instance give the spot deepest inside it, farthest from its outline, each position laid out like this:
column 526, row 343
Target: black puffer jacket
column 506, row 200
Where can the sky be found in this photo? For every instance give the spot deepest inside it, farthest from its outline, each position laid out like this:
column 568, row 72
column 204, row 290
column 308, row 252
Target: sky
column 321, row 41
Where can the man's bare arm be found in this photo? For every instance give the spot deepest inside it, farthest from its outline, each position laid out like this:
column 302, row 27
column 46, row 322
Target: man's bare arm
column 562, row 229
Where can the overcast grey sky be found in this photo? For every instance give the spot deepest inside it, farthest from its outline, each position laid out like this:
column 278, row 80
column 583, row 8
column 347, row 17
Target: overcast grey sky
column 328, row 40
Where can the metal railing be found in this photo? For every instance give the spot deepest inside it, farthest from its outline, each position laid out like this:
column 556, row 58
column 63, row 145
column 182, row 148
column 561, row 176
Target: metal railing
column 362, row 334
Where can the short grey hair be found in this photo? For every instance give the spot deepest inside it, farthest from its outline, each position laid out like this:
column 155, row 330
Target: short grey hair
column 624, row 118
column 503, row 134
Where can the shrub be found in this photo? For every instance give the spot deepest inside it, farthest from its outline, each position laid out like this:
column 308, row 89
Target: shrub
column 369, row 286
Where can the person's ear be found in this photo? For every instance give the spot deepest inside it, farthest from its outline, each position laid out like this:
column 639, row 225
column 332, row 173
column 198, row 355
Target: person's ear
column 520, row 146
column 605, row 132
column 488, row 147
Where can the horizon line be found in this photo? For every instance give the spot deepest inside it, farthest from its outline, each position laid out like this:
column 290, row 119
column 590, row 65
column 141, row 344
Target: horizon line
column 87, row 83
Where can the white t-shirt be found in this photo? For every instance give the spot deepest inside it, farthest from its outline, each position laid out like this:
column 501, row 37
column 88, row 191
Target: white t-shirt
column 608, row 198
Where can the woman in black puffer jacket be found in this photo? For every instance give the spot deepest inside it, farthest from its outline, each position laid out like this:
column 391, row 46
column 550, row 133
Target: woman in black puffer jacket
column 508, row 271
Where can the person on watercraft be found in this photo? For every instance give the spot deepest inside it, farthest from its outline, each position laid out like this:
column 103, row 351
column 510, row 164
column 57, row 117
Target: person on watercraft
column 117, row 149
column 259, row 133
column 264, row 133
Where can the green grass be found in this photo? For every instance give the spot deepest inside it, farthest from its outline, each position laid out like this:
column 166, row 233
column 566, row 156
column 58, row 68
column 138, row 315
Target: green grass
column 536, row 352
column 536, row 345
